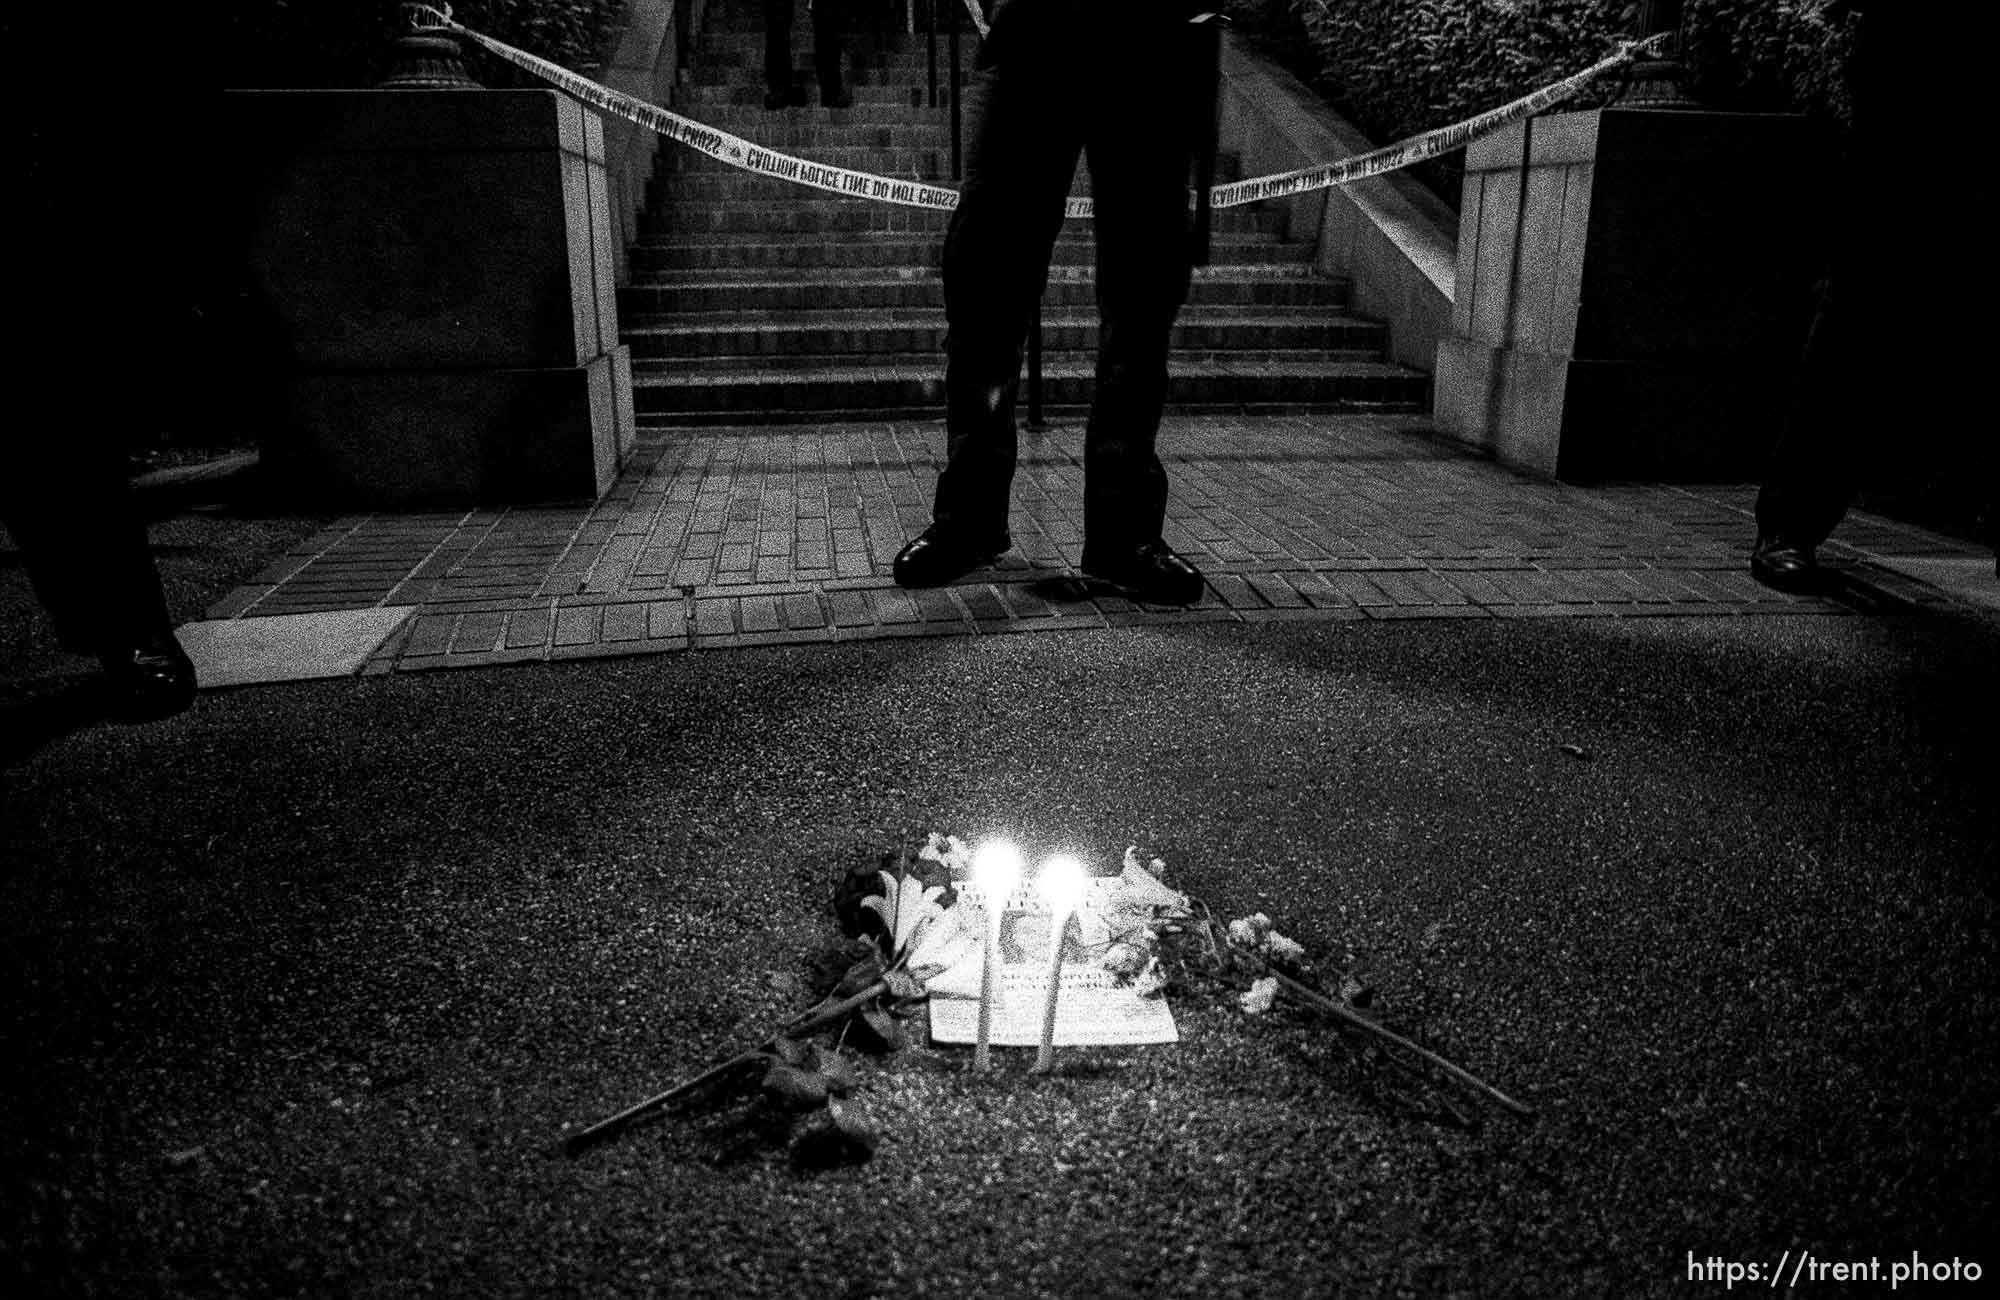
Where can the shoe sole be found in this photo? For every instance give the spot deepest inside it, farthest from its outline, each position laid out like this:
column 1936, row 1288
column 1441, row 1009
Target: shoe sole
column 1144, row 597
column 952, row 577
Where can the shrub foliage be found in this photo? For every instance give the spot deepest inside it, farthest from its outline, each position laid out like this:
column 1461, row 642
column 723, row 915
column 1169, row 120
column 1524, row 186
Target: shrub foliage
column 340, row 44
column 1398, row 67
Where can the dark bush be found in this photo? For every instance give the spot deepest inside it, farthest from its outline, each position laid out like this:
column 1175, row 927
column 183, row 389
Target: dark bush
column 1398, row 67
column 339, row 44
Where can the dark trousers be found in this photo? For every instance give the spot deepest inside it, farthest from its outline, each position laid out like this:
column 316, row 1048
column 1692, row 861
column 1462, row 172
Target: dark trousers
column 1102, row 89
column 69, row 506
column 65, row 495
column 829, row 24
column 1813, row 470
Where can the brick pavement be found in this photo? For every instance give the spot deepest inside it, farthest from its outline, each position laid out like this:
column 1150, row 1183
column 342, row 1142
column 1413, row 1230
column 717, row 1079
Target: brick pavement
column 784, row 534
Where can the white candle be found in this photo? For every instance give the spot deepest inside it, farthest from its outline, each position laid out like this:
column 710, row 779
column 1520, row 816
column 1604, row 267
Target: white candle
column 1061, row 882
column 996, row 869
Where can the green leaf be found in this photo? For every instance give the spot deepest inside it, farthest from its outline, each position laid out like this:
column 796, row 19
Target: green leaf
column 903, row 986
column 858, row 977
column 835, row 1070
column 792, row 1088
column 886, row 1030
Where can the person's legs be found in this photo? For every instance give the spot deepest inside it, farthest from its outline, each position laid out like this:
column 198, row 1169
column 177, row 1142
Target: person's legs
column 1022, row 152
column 829, row 31
column 1139, row 160
column 778, row 89
column 1812, row 472
column 70, row 510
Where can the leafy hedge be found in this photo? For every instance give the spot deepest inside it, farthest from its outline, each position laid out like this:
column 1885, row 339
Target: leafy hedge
column 1397, row 67
column 339, row 44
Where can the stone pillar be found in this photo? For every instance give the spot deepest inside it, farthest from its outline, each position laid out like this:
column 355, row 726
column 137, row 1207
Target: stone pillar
column 436, row 275
column 1633, row 290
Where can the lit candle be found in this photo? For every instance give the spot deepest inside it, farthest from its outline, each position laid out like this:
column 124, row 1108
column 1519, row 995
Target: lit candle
column 996, row 869
column 1061, row 882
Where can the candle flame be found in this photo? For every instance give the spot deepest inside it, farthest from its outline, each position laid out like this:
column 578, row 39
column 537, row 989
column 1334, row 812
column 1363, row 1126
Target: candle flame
column 1061, row 882
column 996, row 868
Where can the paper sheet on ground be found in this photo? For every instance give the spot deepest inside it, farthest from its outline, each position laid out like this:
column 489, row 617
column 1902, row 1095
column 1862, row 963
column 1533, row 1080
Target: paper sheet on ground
column 1093, row 1007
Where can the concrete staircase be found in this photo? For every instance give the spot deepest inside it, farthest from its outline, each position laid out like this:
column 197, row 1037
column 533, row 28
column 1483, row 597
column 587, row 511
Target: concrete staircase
column 755, row 300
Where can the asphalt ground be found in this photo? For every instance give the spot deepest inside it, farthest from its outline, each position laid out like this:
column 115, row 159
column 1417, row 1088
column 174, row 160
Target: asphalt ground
column 305, row 986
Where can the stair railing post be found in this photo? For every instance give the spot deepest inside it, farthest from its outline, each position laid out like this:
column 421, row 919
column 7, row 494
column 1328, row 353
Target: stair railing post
column 1035, row 369
column 957, row 166
column 1654, row 80
column 930, row 43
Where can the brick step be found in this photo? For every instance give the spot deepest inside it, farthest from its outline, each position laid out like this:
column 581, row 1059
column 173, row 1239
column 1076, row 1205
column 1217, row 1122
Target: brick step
column 796, row 130
column 1269, row 287
column 867, row 249
column 901, row 54
column 903, row 70
column 745, row 50
column 926, row 165
column 816, row 212
column 683, row 179
column 665, row 394
column 870, row 126
column 805, row 337
column 918, row 163
column 745, row 93
column 668, row 171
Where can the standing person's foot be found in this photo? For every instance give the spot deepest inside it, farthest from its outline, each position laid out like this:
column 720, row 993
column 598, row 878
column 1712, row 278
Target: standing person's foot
column 936, row 557
column 789, row 97
column 1152, row 574
column 148, row 681
column 838, row 99
column 1785, row 566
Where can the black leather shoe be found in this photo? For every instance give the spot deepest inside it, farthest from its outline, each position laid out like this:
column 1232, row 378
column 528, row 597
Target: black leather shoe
column 838, row 99
column 936, row 558
column 1782, row 566
column 149, row 681
column 774, row 99
column 1152, row 574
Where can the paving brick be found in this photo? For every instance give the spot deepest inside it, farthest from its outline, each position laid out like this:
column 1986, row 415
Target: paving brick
column 624, row 622
column 1317, row 591
column 803, row 612
column 1416, row 587
column 939, row 605
column 666, row 620
column 891, row 607
column 799, row 527
column 1463, row 610
column 577, row 624
column 1024, row 602
column 529, row 627
column 983, row 602
column 760, row 614
column 430, row 634
column 1357, row 588
column 714, row 617
column 1580, row 586
column 1275, row 591
column 849, row 609
column 1235, row 591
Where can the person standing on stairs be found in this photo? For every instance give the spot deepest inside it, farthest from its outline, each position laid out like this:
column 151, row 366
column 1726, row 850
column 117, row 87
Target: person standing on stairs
column 1129, row 85
column 829, row 24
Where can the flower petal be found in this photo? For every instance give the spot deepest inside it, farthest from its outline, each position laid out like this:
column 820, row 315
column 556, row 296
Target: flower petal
column 1260, row 997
